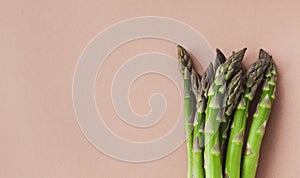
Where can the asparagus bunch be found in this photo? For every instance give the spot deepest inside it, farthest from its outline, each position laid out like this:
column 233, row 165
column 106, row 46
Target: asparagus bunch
column 215, row 112
column 260, row 119
column 185, row 67
column 254, row 77
column 217, row 104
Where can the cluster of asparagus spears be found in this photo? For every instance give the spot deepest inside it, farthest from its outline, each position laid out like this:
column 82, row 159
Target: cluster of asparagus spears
column 216, row 110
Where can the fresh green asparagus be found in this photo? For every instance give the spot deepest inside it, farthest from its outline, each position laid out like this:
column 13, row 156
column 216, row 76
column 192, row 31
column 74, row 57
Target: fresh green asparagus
column 201, row 96
column 260, row 119
column 232, row 96
column 254, row 77
column 214, row 112
column 198, row 121
column 185, row 67
column 200, row 88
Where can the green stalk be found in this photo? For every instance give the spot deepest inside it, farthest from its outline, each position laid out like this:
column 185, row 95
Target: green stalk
column 213, row 167
column 235, row 144
column 258, row 125
column 198, row 121
column 185, row 67
column 187, row 119
column 200, row 87
column 214, row 112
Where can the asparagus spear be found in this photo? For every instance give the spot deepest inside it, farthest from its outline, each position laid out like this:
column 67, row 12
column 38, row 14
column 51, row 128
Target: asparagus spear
column 254, row 77
column 185, row 67
column 260, row 119
column 224, row 73
column 234, row 92
column 199, row 92
column 200, row 88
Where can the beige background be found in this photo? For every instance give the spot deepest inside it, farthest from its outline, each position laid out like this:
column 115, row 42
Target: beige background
column 40, row 42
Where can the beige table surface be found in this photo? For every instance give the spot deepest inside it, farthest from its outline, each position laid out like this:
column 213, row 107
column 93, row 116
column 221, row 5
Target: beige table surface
column 41, row 41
